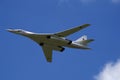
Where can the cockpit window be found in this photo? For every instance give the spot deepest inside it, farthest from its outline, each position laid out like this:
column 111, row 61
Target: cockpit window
column 19, row 30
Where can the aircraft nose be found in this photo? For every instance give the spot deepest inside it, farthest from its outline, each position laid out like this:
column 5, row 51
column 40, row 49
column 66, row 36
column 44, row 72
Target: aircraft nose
column 10, row 30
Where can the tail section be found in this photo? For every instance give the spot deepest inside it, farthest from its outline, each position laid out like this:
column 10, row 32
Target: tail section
column 83, row 40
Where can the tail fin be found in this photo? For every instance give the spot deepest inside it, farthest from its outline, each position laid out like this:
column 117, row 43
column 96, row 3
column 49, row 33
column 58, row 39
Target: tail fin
column 83, row 40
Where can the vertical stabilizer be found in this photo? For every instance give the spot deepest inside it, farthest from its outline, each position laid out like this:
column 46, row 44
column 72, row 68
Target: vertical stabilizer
column 83, row 40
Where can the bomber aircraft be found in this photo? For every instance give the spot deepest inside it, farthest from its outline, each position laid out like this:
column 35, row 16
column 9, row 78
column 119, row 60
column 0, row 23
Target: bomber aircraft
column 56, row 41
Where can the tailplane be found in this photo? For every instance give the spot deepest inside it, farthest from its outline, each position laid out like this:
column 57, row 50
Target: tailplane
column 83, row 40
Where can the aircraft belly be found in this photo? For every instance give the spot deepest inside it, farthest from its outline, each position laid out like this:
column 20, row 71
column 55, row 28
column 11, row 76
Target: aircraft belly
column 56, row 42
column 51, row 41
column 76, row 46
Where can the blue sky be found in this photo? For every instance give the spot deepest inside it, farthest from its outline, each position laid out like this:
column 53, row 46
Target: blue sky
column 23, row 59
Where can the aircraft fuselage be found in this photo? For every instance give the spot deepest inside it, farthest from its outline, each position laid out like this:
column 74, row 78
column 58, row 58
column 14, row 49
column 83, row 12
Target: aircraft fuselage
column 55, row 41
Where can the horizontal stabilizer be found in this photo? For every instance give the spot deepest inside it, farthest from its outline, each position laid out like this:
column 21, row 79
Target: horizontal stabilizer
column 85, row 42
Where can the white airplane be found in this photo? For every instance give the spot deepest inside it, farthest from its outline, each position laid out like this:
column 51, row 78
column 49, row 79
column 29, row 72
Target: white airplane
column 56, row 41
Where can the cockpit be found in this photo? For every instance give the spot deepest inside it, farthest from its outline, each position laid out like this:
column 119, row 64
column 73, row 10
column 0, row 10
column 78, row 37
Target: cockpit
column 19, row 31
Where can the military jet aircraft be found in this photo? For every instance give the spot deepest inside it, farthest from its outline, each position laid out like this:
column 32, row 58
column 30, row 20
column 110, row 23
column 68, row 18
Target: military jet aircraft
column 56, row 41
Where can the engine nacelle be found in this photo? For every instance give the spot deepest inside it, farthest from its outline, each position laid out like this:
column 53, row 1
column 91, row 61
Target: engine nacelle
column 41, row 44
column 54, row 39
column 56, row 48
column 62, row 49
column 48, row 37
column 69, row 42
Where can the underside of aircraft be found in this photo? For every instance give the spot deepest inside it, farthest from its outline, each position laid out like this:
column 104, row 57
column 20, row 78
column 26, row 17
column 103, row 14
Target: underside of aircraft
column 56, row 41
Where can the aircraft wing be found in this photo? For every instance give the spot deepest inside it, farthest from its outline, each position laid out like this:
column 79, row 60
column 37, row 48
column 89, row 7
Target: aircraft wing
column 48, row 53
column 71, row 31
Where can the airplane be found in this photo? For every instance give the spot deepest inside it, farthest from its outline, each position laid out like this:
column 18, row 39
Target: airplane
column 56, row 41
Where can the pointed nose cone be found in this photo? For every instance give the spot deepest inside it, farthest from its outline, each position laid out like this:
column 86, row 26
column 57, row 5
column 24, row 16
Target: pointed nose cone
column 10, row 30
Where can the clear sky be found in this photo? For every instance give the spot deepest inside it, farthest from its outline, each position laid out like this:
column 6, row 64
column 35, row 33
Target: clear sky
column 23, row 59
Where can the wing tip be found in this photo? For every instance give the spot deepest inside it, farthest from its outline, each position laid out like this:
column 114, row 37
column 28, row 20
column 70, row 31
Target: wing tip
column 85, row 25
column 49, row 60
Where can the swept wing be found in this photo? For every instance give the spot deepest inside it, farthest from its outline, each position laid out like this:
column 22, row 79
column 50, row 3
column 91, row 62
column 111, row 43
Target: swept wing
column 48, row 53
column 71, row 31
